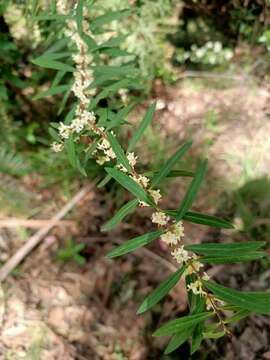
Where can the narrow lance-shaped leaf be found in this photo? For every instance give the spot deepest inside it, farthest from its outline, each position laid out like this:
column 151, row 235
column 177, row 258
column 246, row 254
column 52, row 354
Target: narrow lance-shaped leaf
column 252, row 301
column 171, row 174
column 109, row 17
column 104, row 181
column 131, row 185
column 197, row 338
column 135, row 243
column 203, row 219
column 52, row 91
column 161, row 291
column 79, row 15
column 241, row 314
column 52, row 64
column 233, row 258
column 178, row 339
column 223, row 249
column 175, row 326
column 192, row 190
column 167, row 167
column 119, row 152
column 142, row 127
column 126, row 209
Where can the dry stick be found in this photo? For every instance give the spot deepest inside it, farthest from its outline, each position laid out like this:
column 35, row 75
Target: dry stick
column 39, row 235
column 32, row 223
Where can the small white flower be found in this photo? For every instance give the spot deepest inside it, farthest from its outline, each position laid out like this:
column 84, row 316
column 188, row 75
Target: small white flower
column 104, row 144
column 155, row 195
column 208, row 302
column 132, row 159
column 205, row 276
column 121, row 168
column 77, row 125
column 64, row 130
column 180, row 255
column 169, row 238
column 143, row 204
column 141, row 180
column 179, row 229
column 194, row 267
column 110, row 153
column 160, row 218
column 196, row 288
column 102, row 159
column 57, row 147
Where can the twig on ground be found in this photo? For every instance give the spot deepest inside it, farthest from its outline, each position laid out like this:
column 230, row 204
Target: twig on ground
column 34, row 240
column 32, row 223
column 206, row 74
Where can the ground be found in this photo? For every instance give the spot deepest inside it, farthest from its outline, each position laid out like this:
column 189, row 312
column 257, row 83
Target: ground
column 52, row 309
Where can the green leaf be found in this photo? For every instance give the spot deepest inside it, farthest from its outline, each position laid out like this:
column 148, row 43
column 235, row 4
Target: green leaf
column 256, row 302
column 52, row 64
column 177, row 173
column 233, row 258
column 115, row 70
column 143, row 125
column 79, row 15
column 126, row 209
column 114, row 41
column 45, row 16
column 177, row 325
column 167, row 167
column 119, row 152
column 197, row 338
column 171, row 174
column 52, row 56
column 161, row 291
column 71, row 152
column 192, row 190
column 178, row 339
column 104, row 181
column 109, row 90
column 131, row 185
column 229, row 248
column 208, row 220
column 213, row 335
column 72, row 156
column 135, row 243
column 203, row 219
column 241, row 314
column 109, row 17
column 52, row 91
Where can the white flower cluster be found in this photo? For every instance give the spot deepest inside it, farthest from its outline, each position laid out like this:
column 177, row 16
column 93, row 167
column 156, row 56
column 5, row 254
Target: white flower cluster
column 83, row 77
column 172, row 237
column 211, row 53
column 107, row 150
